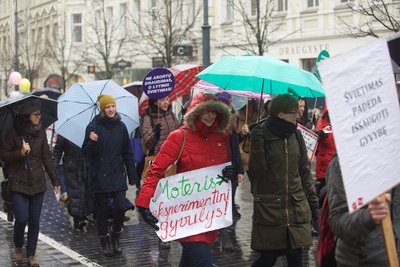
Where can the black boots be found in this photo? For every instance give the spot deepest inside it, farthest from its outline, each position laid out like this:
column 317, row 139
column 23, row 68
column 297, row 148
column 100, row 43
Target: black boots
column 106, row 243
column 115, row 242
column 106, row 246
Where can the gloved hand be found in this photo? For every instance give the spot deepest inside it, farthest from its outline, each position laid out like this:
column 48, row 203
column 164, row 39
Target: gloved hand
column 157, row 131
column 321, row 134
column 228, row 173
column 149, row 218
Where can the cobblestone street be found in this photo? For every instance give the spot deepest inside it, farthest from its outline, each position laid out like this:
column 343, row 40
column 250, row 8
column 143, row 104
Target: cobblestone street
column 61, row 245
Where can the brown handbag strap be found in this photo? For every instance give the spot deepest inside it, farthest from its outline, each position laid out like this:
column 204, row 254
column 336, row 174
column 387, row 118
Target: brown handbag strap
column 179, row 155
column 182, row 146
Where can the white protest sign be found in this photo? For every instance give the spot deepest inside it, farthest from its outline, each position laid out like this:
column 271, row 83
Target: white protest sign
column 191, row 203
column 365, row 116
column 311, row 140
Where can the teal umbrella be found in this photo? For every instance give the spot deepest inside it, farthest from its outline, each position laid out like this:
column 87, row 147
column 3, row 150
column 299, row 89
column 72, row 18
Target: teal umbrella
column 261, row 74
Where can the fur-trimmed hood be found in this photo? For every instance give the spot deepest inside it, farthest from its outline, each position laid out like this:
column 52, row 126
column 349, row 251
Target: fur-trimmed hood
column 207, row 102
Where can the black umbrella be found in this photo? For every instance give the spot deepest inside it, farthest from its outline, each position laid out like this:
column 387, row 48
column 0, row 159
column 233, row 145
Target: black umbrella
column 9, row 109
column 50, row 92
column 394, row 50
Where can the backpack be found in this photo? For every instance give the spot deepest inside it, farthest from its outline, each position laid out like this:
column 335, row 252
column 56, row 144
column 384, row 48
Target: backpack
column 136, row 143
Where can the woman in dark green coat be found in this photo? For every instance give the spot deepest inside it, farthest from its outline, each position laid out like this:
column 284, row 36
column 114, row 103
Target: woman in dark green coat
column 282, row 186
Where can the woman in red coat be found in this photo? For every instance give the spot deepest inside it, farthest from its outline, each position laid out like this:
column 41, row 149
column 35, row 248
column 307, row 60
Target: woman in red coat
column 206, row 145
column 326, row 150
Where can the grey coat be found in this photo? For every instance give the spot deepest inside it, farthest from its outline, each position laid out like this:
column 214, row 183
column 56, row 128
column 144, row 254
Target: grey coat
column 359, row 239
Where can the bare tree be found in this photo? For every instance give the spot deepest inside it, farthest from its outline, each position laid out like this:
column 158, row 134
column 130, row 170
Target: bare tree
column 374, row 13
column 61, row 53
column 107, row 44
column 5, row 66
column 167, row 24
column 259, row 25
column 31, row 45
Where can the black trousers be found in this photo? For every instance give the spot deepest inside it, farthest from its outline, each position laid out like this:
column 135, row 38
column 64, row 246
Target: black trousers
column 102, row 200
column 269, row 257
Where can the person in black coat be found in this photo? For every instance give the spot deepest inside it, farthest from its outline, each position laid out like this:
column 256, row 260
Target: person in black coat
column 111, row 160
column 75, row 168
column 227, row 234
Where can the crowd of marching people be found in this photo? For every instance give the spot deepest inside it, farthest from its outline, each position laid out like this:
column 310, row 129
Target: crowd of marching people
column 289, row 205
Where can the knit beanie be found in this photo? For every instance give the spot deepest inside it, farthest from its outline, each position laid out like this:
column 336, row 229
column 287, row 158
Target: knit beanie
column 283, row 103
column 104, row 100
column 225, row 98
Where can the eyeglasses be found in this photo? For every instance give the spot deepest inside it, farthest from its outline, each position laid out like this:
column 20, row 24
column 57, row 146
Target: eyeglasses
column 37, row 114
column 292, row 112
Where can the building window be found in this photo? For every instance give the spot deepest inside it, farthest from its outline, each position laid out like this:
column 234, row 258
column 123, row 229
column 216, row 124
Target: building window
column 55, row 32
column 123, row 18
column 312, row 3
column 154, row 13
column 136, row 15
column 308, row 64
column 4, row 43
column 47, row 34
column 254, row 6
column 229, row 9
column 40, row 34
column 77, row 28
column 33, row 36
column 282, row 5
column 109, row 14
column 192, row 10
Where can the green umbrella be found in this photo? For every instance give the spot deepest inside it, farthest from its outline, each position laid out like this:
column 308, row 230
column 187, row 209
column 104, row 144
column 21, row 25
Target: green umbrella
column 261, row 74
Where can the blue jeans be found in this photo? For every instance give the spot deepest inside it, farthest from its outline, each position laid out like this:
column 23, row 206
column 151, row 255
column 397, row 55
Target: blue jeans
column 268, row 257
column 27, row 210
column 61, row 179
column 195, row 254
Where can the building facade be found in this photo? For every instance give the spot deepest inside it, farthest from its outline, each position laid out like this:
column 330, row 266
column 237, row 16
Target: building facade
column 123, row 39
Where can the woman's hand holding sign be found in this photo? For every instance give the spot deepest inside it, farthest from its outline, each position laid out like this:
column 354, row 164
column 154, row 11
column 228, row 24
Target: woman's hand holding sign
column 148, row 217
column 228, row 173
column 377, row 208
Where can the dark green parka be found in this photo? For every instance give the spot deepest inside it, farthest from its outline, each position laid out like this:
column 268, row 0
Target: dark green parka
column 282, row 199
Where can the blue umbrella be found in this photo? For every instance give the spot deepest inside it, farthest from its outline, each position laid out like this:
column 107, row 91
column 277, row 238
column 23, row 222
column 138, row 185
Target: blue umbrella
column 78, row 106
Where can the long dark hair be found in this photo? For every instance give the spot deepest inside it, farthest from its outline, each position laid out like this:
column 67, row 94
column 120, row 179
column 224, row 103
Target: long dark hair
column 304, row 118
column 153, row 108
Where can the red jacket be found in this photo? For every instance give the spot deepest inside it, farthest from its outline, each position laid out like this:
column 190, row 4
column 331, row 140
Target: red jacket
column 326, row 147
column 204, row 147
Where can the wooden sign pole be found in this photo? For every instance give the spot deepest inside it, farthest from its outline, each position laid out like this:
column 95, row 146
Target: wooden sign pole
column 388, row 237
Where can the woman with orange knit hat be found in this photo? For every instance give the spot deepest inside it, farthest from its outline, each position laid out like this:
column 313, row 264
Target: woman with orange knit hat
column 111, row 160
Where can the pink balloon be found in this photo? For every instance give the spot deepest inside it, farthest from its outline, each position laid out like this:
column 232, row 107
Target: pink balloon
column 15, row 78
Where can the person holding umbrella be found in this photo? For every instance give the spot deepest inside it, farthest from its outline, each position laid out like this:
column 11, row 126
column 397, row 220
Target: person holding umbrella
column 111, row 159
column 282, row 185
column 26, row 152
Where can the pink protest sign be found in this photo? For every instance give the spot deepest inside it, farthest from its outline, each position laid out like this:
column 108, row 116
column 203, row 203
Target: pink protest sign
column 311, row 140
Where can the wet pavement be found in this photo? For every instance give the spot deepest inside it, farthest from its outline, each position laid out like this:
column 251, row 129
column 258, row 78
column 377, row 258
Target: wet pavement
column 61, row 245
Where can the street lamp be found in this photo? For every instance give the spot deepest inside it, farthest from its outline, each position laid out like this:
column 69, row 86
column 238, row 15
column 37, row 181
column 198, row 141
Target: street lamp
column 206, row 36
column 16, row 63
